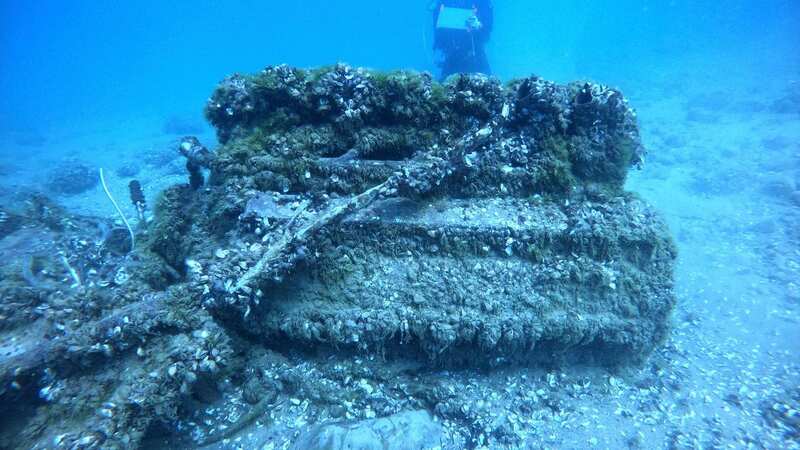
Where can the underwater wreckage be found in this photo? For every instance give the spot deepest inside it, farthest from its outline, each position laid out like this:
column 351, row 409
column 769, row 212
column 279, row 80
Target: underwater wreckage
column 346, row 213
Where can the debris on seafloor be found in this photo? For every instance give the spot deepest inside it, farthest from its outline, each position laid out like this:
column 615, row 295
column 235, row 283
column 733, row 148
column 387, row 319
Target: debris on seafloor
column 355, row 233
column 117, row 208
column 473, row 214
column 137, row 198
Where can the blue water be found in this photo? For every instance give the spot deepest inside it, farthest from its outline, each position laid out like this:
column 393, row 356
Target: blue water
column 74, row 65
column 716, row 85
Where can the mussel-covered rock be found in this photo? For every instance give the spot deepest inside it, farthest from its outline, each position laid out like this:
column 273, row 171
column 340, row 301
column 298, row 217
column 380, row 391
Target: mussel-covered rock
column 504, row 225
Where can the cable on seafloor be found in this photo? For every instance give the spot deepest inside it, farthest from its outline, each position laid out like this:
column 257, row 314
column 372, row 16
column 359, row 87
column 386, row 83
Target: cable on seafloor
column 119, row 211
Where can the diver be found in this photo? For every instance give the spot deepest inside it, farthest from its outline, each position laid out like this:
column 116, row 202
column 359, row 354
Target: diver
column 461, row 31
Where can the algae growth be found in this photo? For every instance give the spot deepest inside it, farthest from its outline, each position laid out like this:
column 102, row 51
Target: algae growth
column 354, row 233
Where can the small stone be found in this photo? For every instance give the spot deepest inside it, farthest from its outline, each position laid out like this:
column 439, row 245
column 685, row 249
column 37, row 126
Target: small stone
column 483, row 132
